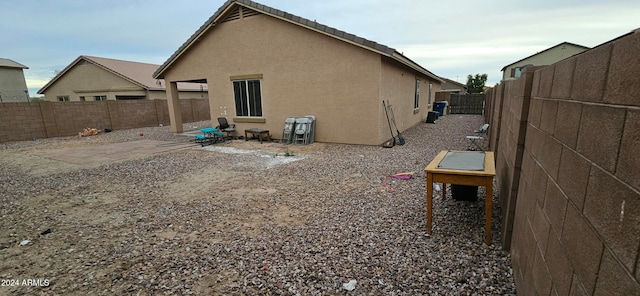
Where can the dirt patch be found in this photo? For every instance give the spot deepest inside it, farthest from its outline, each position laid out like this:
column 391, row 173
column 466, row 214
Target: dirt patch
column 238, row 218
column 111, row 152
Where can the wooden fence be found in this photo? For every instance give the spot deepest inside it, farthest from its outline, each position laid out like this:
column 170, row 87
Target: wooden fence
column 466, row 104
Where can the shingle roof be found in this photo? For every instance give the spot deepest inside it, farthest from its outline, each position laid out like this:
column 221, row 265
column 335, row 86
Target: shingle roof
column 135, row 72
column 563, row 43
column 312, row 25
column 7, row 63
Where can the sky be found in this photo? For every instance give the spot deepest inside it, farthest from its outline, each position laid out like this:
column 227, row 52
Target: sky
column 451, row 38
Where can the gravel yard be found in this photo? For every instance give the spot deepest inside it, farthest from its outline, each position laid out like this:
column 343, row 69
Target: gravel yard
column 241, row 218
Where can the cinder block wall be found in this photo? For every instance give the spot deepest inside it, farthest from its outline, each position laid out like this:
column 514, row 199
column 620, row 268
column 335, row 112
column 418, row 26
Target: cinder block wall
column 69, row 118
column 24, row 121
column 21, row 121
column 576, row 224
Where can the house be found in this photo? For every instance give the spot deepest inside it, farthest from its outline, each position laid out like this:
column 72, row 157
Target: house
column 263, row 65
column 90, row 78
column 13, row 86
column 543, row 58
column 453, row 86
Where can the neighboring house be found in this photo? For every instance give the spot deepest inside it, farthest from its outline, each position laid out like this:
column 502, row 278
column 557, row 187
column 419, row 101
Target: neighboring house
column 13, row 86
column 98, row 79
column 263, row 65
column 453, row 86
column 543, row 58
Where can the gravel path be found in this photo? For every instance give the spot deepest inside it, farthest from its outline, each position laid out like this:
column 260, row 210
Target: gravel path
column 230, row 219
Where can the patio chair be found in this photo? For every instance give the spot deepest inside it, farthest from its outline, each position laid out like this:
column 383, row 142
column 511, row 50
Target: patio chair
column 302, row 131
column 224, row 126
column 287, row 131
column 475, row 140
column 312, row 129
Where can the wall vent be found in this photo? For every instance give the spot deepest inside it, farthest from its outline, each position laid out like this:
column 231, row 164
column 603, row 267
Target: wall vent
column 239, row 12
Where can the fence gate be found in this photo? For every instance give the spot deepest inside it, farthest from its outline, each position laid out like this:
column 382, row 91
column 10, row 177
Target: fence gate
column 466, row 104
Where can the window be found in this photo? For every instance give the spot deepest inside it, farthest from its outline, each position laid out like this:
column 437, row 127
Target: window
column 82, row 98
column 517, row 71
column 248, row 97
column 63, row 99
column 100, row 98
column 416, row 100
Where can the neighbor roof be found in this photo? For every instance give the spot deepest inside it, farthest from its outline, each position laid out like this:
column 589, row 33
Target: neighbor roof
column 135, row 72
column 7, row 63
column 464, row 86
column 305, row 23
column 550, row 48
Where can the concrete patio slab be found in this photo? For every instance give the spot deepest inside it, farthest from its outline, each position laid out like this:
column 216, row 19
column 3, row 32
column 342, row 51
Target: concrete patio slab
column 113, row 152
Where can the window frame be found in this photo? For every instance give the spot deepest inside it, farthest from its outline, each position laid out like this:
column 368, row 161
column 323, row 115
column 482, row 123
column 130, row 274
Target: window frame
column 100, row 98
column 247, row 97
column 63, row 98
column 416, row 100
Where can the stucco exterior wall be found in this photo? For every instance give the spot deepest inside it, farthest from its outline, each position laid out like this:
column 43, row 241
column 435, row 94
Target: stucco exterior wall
column 88, row 80
column 545, row 58
column 162, row 95
column 13, row 87
column 303, row 73
column 398, row 88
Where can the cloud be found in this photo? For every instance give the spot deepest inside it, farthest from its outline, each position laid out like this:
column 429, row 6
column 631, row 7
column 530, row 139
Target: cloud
column 447, row 37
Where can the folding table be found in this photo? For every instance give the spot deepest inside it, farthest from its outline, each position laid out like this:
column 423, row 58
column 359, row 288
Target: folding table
column 474, row 168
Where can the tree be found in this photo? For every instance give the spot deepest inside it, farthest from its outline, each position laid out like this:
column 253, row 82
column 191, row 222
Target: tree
column 475, row 85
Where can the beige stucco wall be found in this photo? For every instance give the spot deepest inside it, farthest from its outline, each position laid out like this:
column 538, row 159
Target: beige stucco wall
column 13, row 85
column 88, row 80
column 162, row 95
column 398, row 88
column 545, row 58
column 303, row 73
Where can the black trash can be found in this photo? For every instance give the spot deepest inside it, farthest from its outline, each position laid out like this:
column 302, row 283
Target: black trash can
column 464, row 192
column 432, row 116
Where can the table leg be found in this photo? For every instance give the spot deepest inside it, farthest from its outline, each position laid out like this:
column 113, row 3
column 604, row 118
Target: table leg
column 429, row 201
column 444, row 191
column 488, row 211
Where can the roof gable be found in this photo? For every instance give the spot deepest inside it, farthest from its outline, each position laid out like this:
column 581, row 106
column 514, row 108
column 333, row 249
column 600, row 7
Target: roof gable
column 7, row 63
column 232, row 9
column 135, row 72
column 546, row 50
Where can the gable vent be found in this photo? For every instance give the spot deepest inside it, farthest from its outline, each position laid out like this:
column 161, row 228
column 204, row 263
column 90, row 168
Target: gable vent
column 232, row 15
column 239, row 12
column 246, row 12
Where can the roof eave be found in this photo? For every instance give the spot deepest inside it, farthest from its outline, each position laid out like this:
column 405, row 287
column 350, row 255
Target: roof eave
column 299, row 21
column 211, row 22
column 88, row 59
column 413, row 65
column 116, row 73
column 537, row 53
column 60, row 74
